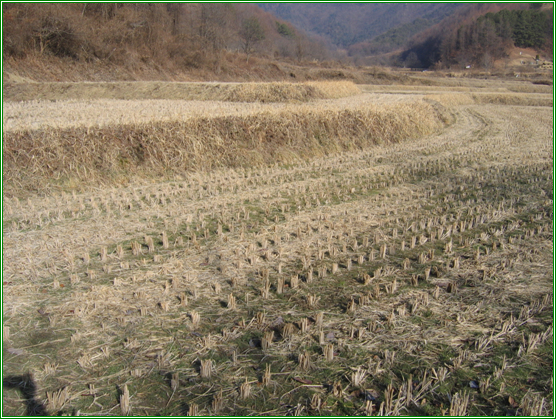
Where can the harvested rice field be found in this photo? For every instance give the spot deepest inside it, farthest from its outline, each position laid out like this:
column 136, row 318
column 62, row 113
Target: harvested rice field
column 325, row 250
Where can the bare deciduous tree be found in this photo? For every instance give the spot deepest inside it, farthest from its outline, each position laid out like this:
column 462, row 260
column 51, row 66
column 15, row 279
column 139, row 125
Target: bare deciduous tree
column 251, row 33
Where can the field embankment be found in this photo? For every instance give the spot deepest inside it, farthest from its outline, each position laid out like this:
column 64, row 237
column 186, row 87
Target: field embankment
column 148, row 90
column 86, row 156
column 512, row 99
column 117, row 135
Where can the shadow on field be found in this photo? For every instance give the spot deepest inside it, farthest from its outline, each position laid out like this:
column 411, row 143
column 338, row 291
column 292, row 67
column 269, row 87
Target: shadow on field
column 28, row 388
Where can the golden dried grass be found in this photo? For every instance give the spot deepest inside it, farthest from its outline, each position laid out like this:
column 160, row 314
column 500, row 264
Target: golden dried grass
column 452, row 99
column 458, row 99
column 335, row 89
column 286, row 92
column 234, row 92
column 40, row 114
column 512, row 99
column 87, row 156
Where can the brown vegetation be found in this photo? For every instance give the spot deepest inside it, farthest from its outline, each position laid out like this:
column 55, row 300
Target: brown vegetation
column 226, row 92
column 386, row 253
column 127, row 41
column 479, row 35
column 93, row 155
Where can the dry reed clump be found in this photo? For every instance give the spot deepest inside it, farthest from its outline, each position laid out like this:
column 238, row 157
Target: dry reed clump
column 335, row 89
column 124, row 402
column 33, row 159
column 57, row 399
column 286, row 92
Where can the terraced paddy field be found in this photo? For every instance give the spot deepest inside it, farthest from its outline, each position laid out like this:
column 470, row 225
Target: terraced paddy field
column 386, row 252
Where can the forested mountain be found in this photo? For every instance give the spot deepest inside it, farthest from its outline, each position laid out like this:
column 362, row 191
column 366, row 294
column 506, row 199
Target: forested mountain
column 481, row 36
column 184, row 35
column 222, row 37
column 398, row 36
column 348, row 24
column 442, row 34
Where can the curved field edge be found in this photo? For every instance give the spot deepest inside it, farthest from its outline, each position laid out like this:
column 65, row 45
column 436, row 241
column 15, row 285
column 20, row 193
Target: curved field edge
column 35, row 161
column 139, row 90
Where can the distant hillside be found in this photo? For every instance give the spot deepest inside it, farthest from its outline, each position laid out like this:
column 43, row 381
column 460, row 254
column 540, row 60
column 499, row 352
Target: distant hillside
column 348, row 24
column 398, row 36
column 210, row 40
column 479, row 35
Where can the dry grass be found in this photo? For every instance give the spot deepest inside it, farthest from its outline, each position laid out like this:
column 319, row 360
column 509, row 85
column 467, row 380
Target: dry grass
column 452, row 99
column 35, row 115
column 467, row 85
column 139, row 90
column 117, row 299
column 335, row 89
column 285, row 92
column 92, row 156
column 513, row 99
column 203, row 99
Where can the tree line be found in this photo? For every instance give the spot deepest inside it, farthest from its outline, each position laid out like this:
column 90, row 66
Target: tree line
column 483, row 40
column 184, row 34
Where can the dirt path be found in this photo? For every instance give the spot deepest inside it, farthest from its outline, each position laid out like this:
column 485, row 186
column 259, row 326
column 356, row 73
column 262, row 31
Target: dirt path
column 421, row 256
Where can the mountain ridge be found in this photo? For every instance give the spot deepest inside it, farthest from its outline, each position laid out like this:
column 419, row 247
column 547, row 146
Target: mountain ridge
column 366, row 20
